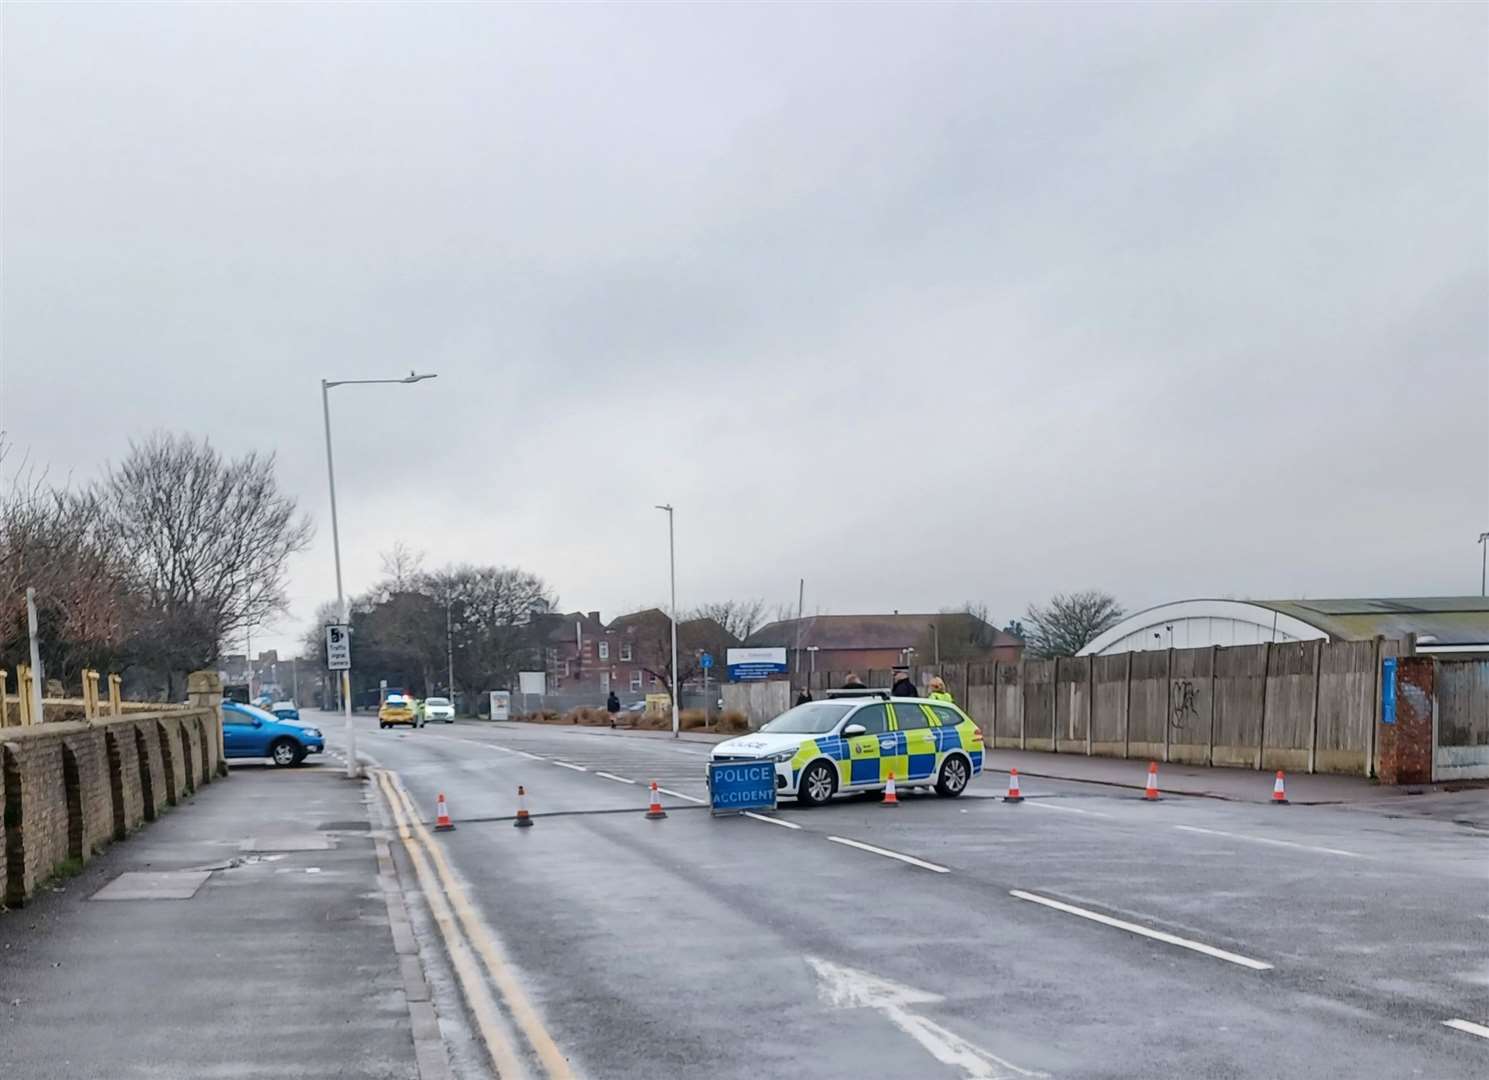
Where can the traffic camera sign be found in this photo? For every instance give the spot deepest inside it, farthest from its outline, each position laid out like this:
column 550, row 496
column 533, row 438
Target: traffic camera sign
column 339, row 648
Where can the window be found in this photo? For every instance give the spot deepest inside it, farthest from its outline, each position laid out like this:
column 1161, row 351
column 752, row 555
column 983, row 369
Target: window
column 813, row 718
column 625, row 650
column 604, row 650
column 948, row 716
column 874, row 718
column 635, row 681
column 910, row 717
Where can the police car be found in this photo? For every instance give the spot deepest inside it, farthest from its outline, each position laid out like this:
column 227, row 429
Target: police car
column 853, row 743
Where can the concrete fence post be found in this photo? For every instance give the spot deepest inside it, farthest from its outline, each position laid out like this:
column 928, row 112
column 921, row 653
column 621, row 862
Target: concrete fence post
column 1168, row 704
column 1318, row 666
column 1023, row 710
column 24, row 696
column 1055, row 707
column 1380, row 643
column 1127, row 710
column 1214, row 695
column 1090, row 700
column 1261, row 735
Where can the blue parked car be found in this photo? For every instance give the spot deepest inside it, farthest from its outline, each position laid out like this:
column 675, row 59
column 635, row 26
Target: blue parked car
column 251, row 732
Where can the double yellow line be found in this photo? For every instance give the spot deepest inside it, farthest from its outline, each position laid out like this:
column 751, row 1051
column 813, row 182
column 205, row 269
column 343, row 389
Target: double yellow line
column 466, row 940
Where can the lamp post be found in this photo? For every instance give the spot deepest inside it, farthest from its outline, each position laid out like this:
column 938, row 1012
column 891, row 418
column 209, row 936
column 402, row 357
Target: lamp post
column 936, row 637
column 1483, row 563
column 353, row 769
column 672, row 569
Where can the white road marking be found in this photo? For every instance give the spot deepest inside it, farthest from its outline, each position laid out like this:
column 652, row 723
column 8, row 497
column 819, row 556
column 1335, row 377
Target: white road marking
column 1067, row 809
column 535, row 757
column 567, row 765
column 1268, row 840
column 1471, row 1028
column 679, row 795
column 848, row 988
column 911, row 859
column 771, row 820
column 1134, row 928
column 612, row 776
column 690, row 753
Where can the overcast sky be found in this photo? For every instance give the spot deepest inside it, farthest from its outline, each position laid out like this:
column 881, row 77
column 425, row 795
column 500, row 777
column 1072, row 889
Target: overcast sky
column 925, row 304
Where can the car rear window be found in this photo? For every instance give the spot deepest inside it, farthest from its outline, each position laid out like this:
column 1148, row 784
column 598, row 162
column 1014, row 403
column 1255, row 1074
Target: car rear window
column 436, row 701
column 948, row 716
column 910, row 717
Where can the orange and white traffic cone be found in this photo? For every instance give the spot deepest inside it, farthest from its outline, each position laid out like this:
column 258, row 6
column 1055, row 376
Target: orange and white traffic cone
column 1279, row 791
column 655, row 811
column 522, row 821
column 1013, row 787
column 1151, row 794
column 890, row 798
column 442, row 822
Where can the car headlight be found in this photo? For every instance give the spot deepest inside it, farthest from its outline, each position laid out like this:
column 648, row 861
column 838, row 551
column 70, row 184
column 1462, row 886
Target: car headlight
column 780, row 756
column 312, row 733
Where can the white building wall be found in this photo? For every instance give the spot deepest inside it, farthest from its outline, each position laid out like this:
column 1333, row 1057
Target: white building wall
column 1192, row 624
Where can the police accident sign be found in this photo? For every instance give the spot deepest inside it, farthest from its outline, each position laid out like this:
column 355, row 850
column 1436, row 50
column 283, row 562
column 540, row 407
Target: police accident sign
column 737, row 786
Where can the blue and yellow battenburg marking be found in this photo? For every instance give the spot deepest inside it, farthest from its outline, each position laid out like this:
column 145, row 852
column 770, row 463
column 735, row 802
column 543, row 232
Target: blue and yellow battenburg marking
column 912, row 754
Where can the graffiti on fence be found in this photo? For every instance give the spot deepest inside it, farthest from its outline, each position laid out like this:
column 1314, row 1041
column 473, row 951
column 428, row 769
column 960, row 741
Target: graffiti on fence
column 1182, row 703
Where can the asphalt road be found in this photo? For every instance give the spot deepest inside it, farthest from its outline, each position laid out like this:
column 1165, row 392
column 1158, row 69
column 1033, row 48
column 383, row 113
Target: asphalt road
column 1080, row 934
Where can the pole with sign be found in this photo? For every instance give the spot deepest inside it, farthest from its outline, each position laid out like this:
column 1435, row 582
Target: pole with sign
column 705, row 662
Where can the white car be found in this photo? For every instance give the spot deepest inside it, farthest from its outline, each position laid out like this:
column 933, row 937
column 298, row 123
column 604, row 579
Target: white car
column 438, row 708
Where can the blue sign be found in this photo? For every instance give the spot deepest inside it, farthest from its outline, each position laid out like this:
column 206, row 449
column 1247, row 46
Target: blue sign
column 748, row 672
column 737, row 786
column 1388, row 690
column 706, row 661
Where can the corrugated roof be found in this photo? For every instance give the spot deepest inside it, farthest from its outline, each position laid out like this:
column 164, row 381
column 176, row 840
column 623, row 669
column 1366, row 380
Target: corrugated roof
column 869, row 631
column 1451, row 620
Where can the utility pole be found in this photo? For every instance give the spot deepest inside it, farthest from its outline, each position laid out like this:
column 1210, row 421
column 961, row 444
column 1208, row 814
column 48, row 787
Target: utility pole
column 801, row 598
column 36, row 673
column 672, row 568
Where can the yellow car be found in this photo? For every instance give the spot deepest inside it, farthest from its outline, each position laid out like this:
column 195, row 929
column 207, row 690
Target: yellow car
column 398, row 709
column 853, row 743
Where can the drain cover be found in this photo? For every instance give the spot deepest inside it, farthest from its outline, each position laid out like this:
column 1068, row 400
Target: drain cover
column 153, row 885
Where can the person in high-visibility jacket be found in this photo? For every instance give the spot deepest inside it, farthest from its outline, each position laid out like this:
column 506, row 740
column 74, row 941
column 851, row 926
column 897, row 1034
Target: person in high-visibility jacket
column 939, row 691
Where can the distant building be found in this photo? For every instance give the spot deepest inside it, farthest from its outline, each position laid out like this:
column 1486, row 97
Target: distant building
column 632, row 655
column 575, row 653
column 1439, row 624
column 874, row 642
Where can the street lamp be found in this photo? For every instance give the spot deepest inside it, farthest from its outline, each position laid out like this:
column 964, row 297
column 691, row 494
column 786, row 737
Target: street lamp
column 1483, row 563
column 353, row 769
column 936, row 636
column 672, row 566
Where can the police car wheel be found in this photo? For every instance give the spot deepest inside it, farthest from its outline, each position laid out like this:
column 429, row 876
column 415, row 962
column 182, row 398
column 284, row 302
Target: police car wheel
column 954, row 776
column 817, row 784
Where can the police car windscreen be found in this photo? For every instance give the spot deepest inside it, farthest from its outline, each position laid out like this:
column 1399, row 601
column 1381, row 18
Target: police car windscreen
column 813, row 718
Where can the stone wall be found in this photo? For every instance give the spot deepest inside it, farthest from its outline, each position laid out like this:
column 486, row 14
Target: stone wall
column 68, row 789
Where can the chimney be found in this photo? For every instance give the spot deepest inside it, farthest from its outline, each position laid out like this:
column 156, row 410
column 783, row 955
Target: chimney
column 595, row 615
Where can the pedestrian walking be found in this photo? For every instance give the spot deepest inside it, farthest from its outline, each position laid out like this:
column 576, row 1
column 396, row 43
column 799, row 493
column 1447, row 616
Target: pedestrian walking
column 612, row 706
column 939, row 691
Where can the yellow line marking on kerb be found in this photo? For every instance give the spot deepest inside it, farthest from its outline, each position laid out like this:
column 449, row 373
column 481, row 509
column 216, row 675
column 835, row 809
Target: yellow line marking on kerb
column 518, row 1003
column 482, row 1005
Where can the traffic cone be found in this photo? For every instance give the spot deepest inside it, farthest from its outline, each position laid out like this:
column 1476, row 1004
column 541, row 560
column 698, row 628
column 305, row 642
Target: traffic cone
column 1151, row 794
column 442, row 822
column 655, row 811
column 1013, row 787
column 890, row 798
column 1279, row 791
column 522, row 821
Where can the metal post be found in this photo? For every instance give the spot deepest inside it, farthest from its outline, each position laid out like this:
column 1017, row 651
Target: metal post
column 450, row 651
column 36, row 673
column 295, row 680
column 353, row 769
column 672, row 569
column 1483, row 563
column 936, row 637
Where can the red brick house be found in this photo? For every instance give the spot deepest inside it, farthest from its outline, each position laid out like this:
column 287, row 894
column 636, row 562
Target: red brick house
column 864, row 643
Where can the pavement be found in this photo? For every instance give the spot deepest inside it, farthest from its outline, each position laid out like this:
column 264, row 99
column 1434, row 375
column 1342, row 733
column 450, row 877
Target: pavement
column 243, row 935
column 1083, row 933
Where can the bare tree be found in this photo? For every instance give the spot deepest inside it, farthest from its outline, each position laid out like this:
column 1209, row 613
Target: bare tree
column 402, row 568
column 207, row 538
column 1070, row 622
column 740, row 618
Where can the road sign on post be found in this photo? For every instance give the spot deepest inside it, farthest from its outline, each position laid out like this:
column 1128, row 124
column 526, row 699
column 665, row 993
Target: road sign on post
column 705, row 661
column 1388, row 690
column 338, row 648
